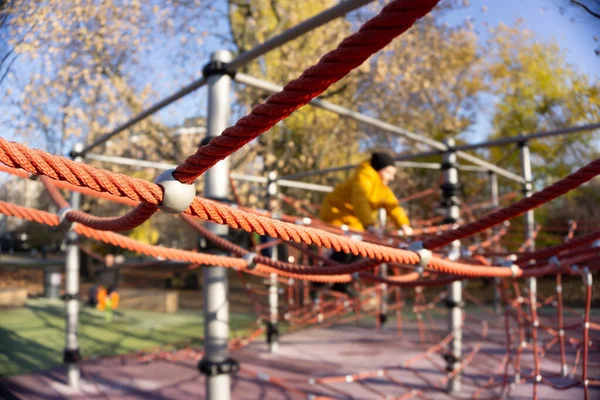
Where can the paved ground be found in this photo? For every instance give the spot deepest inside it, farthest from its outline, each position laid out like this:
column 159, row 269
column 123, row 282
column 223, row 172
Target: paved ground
column 308, row 355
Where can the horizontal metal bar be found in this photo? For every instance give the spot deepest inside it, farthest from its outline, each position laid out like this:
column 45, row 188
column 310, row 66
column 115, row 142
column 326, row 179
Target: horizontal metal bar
column 271, row 87
column 283, row 182
column 306, row 174
column 530, row 136
column 18, row 261
column 248, row 178
column 292, row 33
column 239, row 177
column 472, row 168
column 195, row 85
column 325, row 105
column 130, row 161
column 304, row 185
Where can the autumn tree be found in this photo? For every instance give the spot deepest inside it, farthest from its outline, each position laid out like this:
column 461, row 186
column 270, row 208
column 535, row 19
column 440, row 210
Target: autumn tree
column 302, row 141
column 536, row 90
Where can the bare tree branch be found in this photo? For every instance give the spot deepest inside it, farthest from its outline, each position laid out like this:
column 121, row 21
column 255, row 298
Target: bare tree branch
column 586, row 8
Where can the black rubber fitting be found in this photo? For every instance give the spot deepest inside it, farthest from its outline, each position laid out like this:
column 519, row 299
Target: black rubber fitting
column 217, row 68
column 71, row 356
column 210, row 368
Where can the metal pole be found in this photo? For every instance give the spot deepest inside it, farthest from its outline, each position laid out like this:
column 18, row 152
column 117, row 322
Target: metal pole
column 216, row 364
column 495, row 205
column 529, row 220
column 454, row 296
column 52, row 280
column 282, row 182
column 272, row 328
column 383, row 272
column 345, row 112
column 526, row 137
column 71, row 354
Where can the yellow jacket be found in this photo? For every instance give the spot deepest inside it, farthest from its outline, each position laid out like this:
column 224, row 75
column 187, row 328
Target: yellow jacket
column 356, row 201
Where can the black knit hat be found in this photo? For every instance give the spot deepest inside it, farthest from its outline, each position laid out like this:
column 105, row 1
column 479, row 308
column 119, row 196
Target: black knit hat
column 381, row 160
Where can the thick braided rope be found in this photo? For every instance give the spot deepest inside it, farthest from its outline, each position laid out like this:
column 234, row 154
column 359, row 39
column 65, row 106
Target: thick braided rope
column 199, row 258
column 551, row 251
column 17, row 172
column 551, row 192
column 29, row 214
column 132, row 219
column 393, row 20
column 54, row 193
column 120, row 240
column 101, row 195
column 436, row 264
column 58, row 168
column 237, row 219
column 159, row 251
column 39, row 162
column 279, row 265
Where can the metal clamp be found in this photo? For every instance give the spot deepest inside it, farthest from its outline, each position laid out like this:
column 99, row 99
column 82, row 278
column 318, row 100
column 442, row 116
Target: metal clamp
column 62, row 214
column 382, row 319
column 454, row 304
column 586, row 275
column 514, row 270
column 450, row 360
column 211, row 368
column 272, row 332
column 68, row 296
column 71, row 356
column 424, row 255
column 249, row 258
column 554, row 260
column 217, row 68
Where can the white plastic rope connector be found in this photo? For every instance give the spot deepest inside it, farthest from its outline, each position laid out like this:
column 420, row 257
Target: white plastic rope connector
column 514, row 270
column 586, row 275
column 62, row 214
column 249, row 258
column 177, row 196
column 424, row 255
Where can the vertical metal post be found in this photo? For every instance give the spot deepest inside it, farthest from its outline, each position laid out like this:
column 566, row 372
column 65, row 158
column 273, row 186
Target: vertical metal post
column 272, row 329
column 495, row 205
column 454, row 297
column 52, row 281
column 71, row 355
column 529, row 221
column 383, row 272
column 216, row 364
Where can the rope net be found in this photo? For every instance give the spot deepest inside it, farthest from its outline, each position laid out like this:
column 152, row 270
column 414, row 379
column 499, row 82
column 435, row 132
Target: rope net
column 309, row 238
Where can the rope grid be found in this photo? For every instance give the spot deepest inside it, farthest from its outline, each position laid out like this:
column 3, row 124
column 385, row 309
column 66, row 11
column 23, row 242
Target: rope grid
column 56, row 173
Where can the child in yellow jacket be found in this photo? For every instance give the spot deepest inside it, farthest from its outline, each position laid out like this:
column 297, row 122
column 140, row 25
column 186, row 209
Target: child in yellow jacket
column 355, row 203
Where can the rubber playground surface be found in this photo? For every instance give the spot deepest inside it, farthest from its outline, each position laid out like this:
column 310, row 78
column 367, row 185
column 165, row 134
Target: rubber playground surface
column 351, row 360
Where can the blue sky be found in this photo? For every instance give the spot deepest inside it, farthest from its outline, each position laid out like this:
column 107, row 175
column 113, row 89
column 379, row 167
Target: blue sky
column 542, row 17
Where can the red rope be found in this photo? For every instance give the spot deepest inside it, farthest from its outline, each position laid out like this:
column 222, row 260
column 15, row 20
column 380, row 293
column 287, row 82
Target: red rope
column 37, row 161
column 551, row 192
column 393, row 20
column 551, row 251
